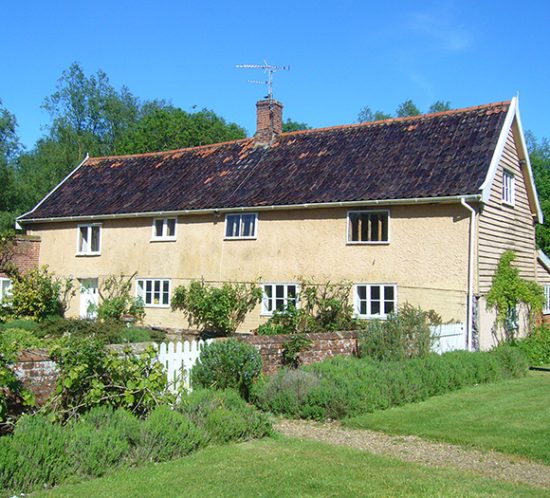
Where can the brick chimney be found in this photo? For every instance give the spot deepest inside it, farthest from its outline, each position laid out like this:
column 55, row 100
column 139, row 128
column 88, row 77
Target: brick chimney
column 269, row 121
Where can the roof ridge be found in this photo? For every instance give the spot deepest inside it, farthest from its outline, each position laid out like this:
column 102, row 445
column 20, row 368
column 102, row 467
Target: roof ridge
column 172, row 151
column 400, row 119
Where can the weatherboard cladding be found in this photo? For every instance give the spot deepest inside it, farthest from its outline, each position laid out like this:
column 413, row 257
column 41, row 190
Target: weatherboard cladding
column 443, row 154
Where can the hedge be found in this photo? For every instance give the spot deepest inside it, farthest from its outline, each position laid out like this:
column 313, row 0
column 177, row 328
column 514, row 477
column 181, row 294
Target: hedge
column 343, row 387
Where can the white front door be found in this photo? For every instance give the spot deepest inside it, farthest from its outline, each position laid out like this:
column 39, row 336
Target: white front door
column 89, row 298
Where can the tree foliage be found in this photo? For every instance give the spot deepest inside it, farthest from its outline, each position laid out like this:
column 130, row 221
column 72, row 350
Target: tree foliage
column 405, row 109
column 291, row 125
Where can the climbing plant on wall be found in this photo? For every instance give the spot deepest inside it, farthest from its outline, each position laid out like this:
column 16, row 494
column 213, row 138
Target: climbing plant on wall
column 508, row 291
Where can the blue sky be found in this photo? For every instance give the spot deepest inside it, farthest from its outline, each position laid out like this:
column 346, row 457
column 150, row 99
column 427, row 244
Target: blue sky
column 343, row 55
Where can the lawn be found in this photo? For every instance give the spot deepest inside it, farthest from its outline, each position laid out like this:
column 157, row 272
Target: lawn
column 511, row 416
column 286, row 467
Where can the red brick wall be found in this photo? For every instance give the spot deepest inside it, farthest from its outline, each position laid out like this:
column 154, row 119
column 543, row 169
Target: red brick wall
column 25, row 253
column 325, row 345
column 38, row 372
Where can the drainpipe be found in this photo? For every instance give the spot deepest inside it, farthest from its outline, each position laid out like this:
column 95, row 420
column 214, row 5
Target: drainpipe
column 470, row 309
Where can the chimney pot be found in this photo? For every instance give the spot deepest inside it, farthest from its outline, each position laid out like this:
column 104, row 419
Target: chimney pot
column 269, row 120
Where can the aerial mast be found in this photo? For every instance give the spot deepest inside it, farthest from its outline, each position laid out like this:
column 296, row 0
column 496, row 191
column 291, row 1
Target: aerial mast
column 269, row 69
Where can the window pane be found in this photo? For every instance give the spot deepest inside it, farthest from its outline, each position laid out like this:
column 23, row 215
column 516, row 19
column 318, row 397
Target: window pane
column 354, row 227
column 362, row 307
column 280, row 291
column 362, row 292
column 170, row 227
column 140, row 288
column 232, row 228
column 375, row 307
column 248, row 222
column 83, row 240
column 266, row 301
column 375, row 292
column 279, row 304
column 95, row 239
column 149, row 285
column 388, row 307
column 388, row 293
column 158, row 227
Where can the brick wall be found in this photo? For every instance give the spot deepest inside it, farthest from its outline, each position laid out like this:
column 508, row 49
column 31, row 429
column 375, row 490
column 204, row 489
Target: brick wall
column 38, row 372
column 24, row 253
column 325, row 345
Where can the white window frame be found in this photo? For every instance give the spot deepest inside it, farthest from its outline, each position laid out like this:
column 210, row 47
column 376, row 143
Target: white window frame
column 241, row 237
column 366, row 242
column 546, row 308
column 508, row 187
column 265, row 311
column 164, row 237
column 7, row 292
column 144, row 285
column 89, row 226
column 369, row 286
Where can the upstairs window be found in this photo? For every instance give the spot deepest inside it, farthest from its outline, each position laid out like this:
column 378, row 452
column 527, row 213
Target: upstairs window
column 546, row 308
column 508, row 186
column 241, row 226
column 154, row 292
column 368, row 227
column 89, row 239
column 375, row 300
column 5, row 288
column 164, row 229
column 278, row 297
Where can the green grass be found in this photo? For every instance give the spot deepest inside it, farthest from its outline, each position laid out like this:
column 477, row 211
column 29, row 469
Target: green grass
column 285, row 467
column 511, row 416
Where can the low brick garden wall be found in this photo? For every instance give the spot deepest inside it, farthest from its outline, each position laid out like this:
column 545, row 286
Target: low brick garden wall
column 324, row 345
column 38, row 371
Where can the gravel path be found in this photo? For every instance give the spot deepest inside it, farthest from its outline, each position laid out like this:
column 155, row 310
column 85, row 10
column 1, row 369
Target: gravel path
column 414, row 449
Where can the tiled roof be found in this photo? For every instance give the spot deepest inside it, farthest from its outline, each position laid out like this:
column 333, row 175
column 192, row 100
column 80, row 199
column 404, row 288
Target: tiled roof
column 433, row 155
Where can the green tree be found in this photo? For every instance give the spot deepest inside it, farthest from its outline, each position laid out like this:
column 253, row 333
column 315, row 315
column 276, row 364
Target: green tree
column 539, row 155
column 407, row 108
column 164, row 127
column 291, row 125
column 366, row 115
column 440, row 106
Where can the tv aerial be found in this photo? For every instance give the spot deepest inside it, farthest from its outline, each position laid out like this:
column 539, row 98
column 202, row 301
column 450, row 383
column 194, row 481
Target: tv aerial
column 269, row 70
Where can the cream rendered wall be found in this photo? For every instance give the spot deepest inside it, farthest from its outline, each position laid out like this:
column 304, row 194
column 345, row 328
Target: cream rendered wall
column 426, row 256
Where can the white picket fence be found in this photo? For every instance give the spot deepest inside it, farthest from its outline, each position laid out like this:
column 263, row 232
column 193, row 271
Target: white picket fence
column 178, row 359
column 449, row 337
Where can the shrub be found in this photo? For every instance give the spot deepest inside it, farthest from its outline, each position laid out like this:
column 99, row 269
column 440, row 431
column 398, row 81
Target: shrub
column 22, row 339
column 167, row 434
column 405, row 334
column 22, row 324
column 227, row 364
column 117, row 300
column 12, row 392
column 89, row 376
column 342, row 387
column 292, row 349
column 111, row 331
column 216, row 309
column 34, row 455
column 323, row 308
column 224, row 415
column 102, row 439
column 38, row 294
column 537, row 346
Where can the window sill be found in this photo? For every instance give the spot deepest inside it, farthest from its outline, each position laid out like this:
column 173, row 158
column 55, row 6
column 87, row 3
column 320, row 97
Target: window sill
column 508, row 204
column 370, row 317
column 383, row 243
column 87, row 254
column 240, row 238
column 157, row 306
column 171, row 239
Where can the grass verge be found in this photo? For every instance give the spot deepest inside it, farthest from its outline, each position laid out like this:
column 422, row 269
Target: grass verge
column 287, row 467
column 510, row 416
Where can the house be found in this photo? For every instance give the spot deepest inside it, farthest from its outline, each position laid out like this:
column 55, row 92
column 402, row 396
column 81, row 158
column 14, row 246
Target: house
column 415, row 209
